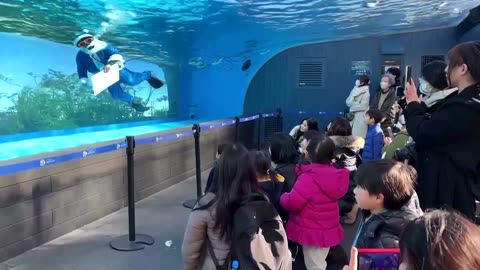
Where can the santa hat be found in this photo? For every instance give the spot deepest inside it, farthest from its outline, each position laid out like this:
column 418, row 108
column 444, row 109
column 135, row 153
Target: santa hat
column 81, row 38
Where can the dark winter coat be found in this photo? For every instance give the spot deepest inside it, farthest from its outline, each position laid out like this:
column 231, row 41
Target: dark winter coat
column 210, row 186
column 347, row 149
column 384, row 230
column 448, row 150
column 346, row 156
column 409, row 152
column 386, row 108
column 289, row 173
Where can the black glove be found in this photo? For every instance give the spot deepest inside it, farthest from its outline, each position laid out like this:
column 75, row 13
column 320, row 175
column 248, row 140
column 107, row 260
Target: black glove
column 408, row 152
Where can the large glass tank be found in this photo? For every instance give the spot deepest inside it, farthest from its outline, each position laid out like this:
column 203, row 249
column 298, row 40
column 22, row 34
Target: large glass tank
column 205, row 52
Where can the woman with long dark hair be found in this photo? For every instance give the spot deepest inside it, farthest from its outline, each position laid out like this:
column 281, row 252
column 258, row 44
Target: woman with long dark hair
column 305, row 125
column 270, row 181
column 212, row 217
column 285, row 157
column 435, row 89
column 447, row 139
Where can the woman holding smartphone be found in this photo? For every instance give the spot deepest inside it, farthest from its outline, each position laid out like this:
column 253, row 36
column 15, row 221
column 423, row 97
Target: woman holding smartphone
column 447, row 138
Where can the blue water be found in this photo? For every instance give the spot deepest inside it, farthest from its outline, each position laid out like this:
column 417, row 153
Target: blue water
column 33, row 146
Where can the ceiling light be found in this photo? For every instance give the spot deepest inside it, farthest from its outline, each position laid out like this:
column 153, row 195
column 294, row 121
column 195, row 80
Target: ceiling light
column 442, row 4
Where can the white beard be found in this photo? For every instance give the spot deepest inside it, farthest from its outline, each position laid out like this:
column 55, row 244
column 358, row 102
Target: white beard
column 98, row 45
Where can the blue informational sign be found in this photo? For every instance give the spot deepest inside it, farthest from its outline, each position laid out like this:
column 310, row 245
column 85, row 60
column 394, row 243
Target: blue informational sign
column 361, row 68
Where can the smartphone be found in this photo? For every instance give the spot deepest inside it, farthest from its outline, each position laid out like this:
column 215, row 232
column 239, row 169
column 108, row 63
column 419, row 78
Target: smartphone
column 403, row 103
column 378, row 259
column 390, row 132
column 408, row 74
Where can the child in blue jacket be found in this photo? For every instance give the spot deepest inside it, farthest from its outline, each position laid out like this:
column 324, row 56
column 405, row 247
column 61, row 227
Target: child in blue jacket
column 374, row 141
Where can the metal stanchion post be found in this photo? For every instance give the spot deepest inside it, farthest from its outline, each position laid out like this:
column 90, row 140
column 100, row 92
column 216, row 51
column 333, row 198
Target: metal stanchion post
column 198, row 169
column 132, row 241
column 237, row 129
column 259, row 131
column 279, row 120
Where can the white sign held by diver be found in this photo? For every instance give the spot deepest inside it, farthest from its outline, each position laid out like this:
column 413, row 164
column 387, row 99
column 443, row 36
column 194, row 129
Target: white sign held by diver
column 102, row 80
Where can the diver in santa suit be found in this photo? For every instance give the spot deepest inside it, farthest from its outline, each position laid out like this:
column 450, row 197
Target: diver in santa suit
column 96, row 55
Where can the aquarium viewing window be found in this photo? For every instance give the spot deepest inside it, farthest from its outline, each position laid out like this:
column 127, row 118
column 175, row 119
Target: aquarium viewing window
column 175, row 58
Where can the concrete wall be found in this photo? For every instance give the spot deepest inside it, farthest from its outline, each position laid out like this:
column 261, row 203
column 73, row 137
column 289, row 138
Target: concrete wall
column 40, row 205
column 472, row 35
column 275, row 84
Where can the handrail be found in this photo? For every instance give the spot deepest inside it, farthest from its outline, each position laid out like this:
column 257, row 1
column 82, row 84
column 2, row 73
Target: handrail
column 38, row 163
column 48, row 161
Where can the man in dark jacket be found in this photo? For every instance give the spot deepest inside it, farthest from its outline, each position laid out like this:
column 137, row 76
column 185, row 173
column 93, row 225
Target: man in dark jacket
column 385, row 192
column 384, row 101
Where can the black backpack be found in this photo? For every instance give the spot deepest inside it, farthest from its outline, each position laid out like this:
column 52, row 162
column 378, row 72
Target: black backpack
column 258, row 239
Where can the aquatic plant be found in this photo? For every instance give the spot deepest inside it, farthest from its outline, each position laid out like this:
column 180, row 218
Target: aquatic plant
column 60, row 102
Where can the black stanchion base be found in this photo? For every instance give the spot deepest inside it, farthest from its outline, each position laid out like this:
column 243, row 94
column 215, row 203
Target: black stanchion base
column 189, row 203
column 123, row 244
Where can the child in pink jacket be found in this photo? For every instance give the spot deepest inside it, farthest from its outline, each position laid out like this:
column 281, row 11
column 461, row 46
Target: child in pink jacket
column 314, row 221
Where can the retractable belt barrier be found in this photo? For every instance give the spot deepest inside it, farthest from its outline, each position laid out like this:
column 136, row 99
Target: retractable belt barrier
column 133, row 241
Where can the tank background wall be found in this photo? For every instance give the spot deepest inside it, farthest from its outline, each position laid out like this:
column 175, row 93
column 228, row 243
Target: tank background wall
column 473, row 34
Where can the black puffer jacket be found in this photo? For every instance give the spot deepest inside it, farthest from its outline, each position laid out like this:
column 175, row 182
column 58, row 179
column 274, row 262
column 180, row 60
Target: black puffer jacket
column 346, row 156
column 384, row 230
column 347, row 150
column 446, row 141
column 288, row 172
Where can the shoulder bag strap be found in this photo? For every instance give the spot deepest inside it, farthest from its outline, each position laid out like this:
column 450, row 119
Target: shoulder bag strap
column 212, row 254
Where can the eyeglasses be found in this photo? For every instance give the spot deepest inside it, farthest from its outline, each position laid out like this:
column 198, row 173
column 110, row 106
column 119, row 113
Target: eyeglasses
column 84, row 43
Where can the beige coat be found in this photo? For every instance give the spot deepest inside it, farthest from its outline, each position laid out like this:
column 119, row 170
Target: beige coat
column 357, row 103
column 200, row 225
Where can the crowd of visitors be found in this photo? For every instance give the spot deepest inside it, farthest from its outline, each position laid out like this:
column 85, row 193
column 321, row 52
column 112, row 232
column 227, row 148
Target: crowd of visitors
column 285, row 206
